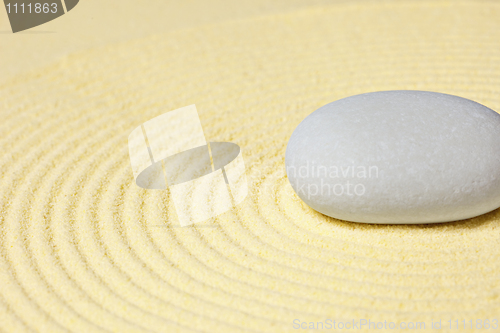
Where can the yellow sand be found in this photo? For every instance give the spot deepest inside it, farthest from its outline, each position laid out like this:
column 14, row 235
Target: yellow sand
column 83, row 249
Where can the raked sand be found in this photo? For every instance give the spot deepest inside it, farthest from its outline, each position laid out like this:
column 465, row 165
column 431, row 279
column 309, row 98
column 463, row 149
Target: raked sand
column 83, row 249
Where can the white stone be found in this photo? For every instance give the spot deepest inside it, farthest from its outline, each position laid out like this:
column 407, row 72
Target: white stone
column 398, row 157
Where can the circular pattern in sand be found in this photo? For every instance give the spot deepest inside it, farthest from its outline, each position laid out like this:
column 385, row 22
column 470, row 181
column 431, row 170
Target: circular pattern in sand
column 83, row 249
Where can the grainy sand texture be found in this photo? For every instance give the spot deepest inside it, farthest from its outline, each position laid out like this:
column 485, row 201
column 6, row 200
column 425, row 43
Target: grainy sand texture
column 84, row 249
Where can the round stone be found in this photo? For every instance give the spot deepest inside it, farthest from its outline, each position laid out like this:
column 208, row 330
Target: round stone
column 398, row 157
